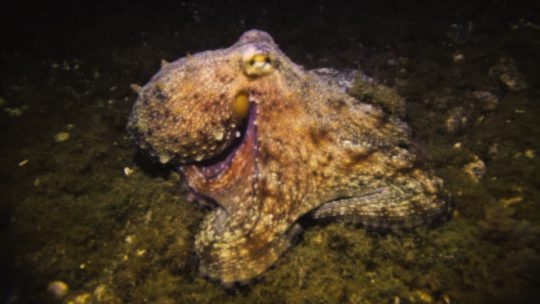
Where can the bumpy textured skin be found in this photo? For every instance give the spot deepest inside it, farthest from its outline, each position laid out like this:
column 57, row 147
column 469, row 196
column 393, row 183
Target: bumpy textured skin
column 310, row 149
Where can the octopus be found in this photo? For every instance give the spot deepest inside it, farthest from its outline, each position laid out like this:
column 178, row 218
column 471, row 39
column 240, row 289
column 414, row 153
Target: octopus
column 266, row 143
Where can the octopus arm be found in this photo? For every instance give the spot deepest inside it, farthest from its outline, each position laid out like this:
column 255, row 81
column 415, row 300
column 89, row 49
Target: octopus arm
column 404, row 202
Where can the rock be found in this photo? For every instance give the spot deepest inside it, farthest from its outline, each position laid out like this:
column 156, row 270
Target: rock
column 458, row 57
column 507, row 72
column 61, row 136
column 486, row 100
column 82, row 298
column 475, row 169
column 421, row 296
column 128, row 171
column 456, row 120
column 58, row 289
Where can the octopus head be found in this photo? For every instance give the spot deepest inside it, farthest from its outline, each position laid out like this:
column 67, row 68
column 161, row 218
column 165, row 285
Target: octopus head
column 198, row 109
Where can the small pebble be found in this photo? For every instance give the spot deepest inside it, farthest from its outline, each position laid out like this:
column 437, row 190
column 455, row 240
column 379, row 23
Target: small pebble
column 508, row 202
column 129, row 239
column 475, row 169
column 103, row 294
column 128, row 171
column 487, row 100
column 61, row 136
column 456, row 120
column 421, row 296
column 458, row 57
column 58, row 289
column 81, row 299
column 493, row 150
column 392, row 62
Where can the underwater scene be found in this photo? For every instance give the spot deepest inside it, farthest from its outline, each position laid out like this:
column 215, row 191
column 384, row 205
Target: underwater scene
column 273, row 152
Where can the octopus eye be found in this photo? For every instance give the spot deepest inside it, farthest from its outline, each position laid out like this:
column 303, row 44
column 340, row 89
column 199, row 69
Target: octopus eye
column 240, row 105
column 259, row 60
column 256, row 62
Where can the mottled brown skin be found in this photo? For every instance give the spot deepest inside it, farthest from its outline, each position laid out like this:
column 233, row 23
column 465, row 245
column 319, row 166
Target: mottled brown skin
column 310, row 149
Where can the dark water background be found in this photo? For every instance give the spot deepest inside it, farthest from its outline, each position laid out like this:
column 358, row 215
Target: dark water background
column 70, row 213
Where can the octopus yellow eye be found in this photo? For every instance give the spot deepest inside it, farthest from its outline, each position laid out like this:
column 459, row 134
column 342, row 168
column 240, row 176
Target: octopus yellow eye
column 256, row 62
column 259, row 60
column 240, row 105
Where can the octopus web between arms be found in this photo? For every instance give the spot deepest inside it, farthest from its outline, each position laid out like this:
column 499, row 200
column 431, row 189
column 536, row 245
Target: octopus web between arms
column 269, row 142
